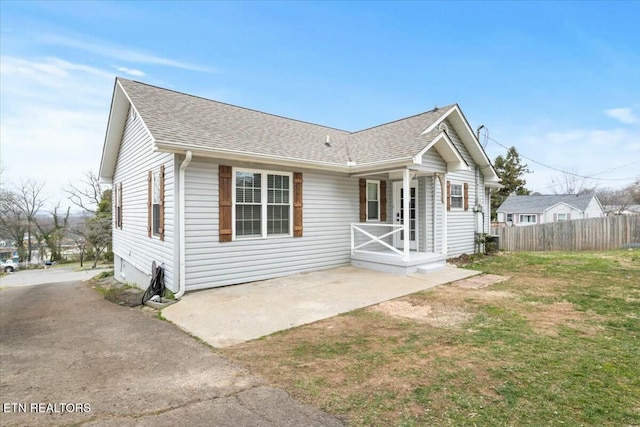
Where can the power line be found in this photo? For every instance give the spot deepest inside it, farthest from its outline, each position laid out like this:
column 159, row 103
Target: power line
column 571, row 173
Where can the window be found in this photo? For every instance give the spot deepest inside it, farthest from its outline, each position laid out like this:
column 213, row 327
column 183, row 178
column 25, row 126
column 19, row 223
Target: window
column 155, row 203
column 156, row 198
column 562, row 217
column 262, row 203
column 278, row 204
column 528, row 219
column 118, row 198
column 457, row 199
column 373, row 200
column 509, row 217
column 248, row 204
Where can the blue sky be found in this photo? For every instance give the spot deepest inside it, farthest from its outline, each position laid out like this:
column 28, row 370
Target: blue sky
column 558, row 80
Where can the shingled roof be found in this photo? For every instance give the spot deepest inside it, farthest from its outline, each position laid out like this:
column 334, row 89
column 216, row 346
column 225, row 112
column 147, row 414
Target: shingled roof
column 540, row 203
column 180, row 122
column 194, row 122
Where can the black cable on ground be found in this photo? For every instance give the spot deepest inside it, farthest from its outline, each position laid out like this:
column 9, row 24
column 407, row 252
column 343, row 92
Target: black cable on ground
column 156, row 287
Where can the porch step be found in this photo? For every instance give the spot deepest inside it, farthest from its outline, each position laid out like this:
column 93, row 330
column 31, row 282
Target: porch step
column 389, row 262
column 432, row 267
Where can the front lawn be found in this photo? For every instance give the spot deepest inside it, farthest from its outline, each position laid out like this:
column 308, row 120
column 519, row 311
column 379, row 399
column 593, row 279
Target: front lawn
column 557, row 344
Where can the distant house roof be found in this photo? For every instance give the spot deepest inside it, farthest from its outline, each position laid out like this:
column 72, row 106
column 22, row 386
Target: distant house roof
column 540, row 203
column 179, row 122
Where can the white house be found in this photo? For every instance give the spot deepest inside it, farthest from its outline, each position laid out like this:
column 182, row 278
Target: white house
column 222, row 195
column 541, row 209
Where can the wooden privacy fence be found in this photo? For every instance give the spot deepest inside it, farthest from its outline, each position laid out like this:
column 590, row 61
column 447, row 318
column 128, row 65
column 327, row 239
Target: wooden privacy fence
column 612, row 232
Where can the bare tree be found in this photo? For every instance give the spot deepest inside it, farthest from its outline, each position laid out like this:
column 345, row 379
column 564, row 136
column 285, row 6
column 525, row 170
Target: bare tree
column 52, row 231
column 634, row 192
column 95, row 230
column 29, row 200
column 86, row 194
column 571, row 183
column 13, row 223
column 81, row 245
column 618, row 200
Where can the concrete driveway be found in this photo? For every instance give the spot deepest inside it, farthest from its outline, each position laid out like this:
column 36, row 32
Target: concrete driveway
column 48, row 275
column 234, row 314
column 69, row 357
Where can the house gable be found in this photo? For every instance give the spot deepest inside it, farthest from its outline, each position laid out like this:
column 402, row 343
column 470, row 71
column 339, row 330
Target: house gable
column 118, row 115
column 459, row 123
column 447, row 150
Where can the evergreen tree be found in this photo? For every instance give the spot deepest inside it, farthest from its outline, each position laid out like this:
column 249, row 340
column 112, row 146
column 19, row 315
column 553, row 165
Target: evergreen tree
column 511, row 170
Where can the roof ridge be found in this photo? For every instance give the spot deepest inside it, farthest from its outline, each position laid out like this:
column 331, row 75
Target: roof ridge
column 234, row 105
column 405, row 118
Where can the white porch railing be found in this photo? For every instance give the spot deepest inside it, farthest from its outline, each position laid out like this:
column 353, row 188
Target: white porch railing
column 374, row 237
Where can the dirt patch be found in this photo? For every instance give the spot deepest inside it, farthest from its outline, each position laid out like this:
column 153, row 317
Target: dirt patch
column 438, row 315
column 117, row 292
column 461, row 261
column 548, row 318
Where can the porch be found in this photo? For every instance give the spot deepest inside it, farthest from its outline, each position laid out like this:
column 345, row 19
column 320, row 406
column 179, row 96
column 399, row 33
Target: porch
column 374, row 247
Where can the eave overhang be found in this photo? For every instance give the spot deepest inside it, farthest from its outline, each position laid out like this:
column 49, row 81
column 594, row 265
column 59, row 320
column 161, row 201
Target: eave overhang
column 447, row 150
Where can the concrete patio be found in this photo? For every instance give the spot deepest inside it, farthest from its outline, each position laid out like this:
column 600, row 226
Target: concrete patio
column 230, row 315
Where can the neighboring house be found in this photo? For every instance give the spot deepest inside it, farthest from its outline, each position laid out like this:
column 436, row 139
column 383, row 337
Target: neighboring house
column 541, row 209
column 622, row 209
column 221, row 195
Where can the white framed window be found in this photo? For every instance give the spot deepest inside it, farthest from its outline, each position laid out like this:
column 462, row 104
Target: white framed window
column 155, row 201
column 118, row 199
column 457, row 196
column 373, row 200
column 531, row 219
column 562, row 217
column 262, row 203
column 509, row 217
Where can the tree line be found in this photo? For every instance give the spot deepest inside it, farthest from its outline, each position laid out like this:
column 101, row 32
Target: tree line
column 24, row 220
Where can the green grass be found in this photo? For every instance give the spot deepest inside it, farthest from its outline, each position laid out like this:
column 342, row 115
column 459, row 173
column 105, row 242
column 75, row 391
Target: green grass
column 557, row 344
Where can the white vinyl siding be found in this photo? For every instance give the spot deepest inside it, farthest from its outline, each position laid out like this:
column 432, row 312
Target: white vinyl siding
column 131, row 243
column 330, row 206
column 593, row 210
column 556, row 212
column 461, row 224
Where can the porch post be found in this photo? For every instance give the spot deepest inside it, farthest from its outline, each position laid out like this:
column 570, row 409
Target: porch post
column 445, row 223
column 406, row 222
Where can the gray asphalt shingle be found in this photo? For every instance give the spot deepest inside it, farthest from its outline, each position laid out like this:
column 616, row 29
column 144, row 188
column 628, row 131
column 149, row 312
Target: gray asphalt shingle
column 539, row 203
column 178, row 118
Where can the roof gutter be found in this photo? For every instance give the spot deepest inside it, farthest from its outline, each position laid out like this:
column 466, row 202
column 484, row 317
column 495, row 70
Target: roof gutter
column 182, row 282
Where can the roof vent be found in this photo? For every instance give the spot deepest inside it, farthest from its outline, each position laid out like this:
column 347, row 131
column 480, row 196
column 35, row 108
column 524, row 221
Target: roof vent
column 327, row 142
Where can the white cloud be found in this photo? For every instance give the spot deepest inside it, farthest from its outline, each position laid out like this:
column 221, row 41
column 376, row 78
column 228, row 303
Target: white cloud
column 52, row 121
column 131, row 71
column 121, row 53
column 624, row 115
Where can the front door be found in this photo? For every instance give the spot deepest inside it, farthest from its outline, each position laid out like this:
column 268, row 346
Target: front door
column 399, row 215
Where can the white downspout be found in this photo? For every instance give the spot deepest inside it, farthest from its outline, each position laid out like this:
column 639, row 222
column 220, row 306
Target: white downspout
column 182, row 285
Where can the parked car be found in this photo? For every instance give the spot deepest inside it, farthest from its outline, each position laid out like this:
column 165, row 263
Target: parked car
column 9, row 266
